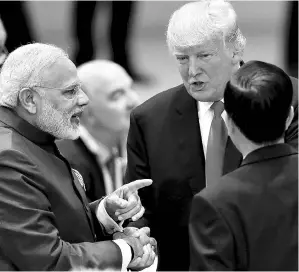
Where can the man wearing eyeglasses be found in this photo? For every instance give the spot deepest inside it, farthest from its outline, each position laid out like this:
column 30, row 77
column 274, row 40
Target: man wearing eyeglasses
column 46, row 222
column 104, row 127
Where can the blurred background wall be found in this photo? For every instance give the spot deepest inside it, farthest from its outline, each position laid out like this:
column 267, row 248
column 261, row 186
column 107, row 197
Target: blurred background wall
column 264, row 23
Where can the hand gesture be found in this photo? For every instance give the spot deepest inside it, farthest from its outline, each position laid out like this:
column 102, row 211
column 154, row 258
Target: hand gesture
column 124, row 203
column 149, row 248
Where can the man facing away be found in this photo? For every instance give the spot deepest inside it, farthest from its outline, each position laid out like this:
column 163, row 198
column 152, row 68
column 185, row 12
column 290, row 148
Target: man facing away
column 99, row 153
column 172, row 137
column 46, row 222
column 248, row 219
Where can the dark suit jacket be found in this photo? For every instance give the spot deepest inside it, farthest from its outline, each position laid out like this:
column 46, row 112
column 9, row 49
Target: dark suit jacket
column 164, row 144
column 46, row 222
column 81, row 159
column 249, row 220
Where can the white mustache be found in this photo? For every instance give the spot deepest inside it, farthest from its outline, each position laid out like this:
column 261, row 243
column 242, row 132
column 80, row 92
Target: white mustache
column 78, row 111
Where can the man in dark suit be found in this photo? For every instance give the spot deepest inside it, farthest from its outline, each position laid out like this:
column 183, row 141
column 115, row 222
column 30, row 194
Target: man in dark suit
column 98, row 153
column 171, row 137
column 248, row 220
column 46, row 220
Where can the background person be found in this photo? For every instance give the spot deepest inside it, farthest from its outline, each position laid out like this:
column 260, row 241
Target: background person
column 99, row 153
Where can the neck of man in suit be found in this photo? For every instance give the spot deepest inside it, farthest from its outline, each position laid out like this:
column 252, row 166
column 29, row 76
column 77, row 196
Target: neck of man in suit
column 110, row 139
column 246, row 146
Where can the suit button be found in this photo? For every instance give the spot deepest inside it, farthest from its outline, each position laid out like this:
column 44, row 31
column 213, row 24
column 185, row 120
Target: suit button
column 95, row 237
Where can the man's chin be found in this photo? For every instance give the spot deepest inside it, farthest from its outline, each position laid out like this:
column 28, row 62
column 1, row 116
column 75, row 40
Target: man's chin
column 72, row 135
column 205, row 95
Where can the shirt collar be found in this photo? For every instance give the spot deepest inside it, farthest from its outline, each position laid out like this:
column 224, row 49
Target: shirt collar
column 10, row 118
column 269, row 152
column 203, row 107
column 94, row 146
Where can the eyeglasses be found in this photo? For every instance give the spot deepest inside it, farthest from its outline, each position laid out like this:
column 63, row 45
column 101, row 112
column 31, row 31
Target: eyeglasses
column 3, row 54
column 69, row 92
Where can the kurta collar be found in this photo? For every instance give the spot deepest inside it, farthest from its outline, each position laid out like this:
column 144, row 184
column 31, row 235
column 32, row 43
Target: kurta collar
column 32, row 133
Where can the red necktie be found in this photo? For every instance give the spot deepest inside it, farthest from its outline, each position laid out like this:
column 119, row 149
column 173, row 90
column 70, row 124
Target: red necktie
column 216, row 145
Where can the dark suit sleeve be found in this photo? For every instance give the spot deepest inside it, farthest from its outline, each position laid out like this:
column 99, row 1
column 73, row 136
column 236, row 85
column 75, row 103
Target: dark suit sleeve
column 29, row 237
column 138, row 167
column 211, row 241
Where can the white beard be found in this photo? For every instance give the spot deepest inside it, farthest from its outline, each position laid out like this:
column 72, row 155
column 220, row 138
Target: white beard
column 57, row 123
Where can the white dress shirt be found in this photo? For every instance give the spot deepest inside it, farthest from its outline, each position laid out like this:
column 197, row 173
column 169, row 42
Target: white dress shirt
column 205, row 117
column 103, row 154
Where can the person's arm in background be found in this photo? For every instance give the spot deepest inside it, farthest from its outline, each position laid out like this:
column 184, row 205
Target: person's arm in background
column 138, row 168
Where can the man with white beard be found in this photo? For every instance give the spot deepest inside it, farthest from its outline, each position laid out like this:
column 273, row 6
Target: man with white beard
column 99, row 153
column 46, row 221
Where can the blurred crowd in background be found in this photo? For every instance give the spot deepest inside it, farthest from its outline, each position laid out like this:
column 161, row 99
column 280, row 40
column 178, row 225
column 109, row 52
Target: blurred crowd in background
column 132, row 33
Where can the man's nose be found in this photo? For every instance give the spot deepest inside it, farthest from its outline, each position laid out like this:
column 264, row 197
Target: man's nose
column 83, row 99
column 194, row 66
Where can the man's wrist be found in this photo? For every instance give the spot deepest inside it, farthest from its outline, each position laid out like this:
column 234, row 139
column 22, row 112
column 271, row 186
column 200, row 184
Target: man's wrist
column 125, row 252
column 109, row 224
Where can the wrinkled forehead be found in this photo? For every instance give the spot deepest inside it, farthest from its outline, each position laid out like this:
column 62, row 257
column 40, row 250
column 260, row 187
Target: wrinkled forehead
column 208, row 45
column 62, row 73
column 110, row 80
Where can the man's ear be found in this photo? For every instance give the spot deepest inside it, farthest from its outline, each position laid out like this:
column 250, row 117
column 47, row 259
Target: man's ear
column 290, row 117
column 28, row 100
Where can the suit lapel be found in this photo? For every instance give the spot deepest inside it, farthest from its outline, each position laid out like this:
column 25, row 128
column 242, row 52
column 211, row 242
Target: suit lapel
column 81, row 192
column 189, row 143
column 78, row 186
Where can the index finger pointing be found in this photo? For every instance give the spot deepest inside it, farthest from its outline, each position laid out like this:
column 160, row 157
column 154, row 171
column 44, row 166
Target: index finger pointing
column 138, row 184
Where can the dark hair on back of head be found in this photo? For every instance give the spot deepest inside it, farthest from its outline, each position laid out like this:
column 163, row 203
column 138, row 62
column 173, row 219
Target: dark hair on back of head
column 258, row 99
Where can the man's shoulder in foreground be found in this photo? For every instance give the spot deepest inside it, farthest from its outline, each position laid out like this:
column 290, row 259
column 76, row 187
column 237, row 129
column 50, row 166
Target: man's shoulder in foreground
column 255, row 175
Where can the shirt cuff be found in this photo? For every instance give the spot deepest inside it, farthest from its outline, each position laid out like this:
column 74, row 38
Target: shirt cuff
column 109, row 224
column 125, row 252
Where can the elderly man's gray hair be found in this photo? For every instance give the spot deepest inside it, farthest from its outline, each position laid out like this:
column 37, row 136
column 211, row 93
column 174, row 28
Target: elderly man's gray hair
column 23, row 68
column 197, row 22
